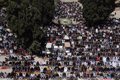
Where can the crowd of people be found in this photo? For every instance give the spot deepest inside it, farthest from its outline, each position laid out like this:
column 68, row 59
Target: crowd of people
column 23, row 68
column 71, row 10
column 73, row 52
column 7, row 38
column 78, row 51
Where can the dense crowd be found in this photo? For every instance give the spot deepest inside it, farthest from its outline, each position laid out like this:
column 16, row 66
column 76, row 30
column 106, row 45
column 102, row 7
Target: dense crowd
column 71, row 10
column 73, row 52
column 78, row 51
column 7, row 41
column 7, row 38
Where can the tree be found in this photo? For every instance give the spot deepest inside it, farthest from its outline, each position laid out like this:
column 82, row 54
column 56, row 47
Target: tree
column 3, row 3
column 97, row 11
column 27, row 19
column 34, row 48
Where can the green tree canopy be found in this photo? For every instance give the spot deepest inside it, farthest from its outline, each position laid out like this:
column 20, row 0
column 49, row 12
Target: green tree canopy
column 3, row 3
column 97, row 11
column 27, row 19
